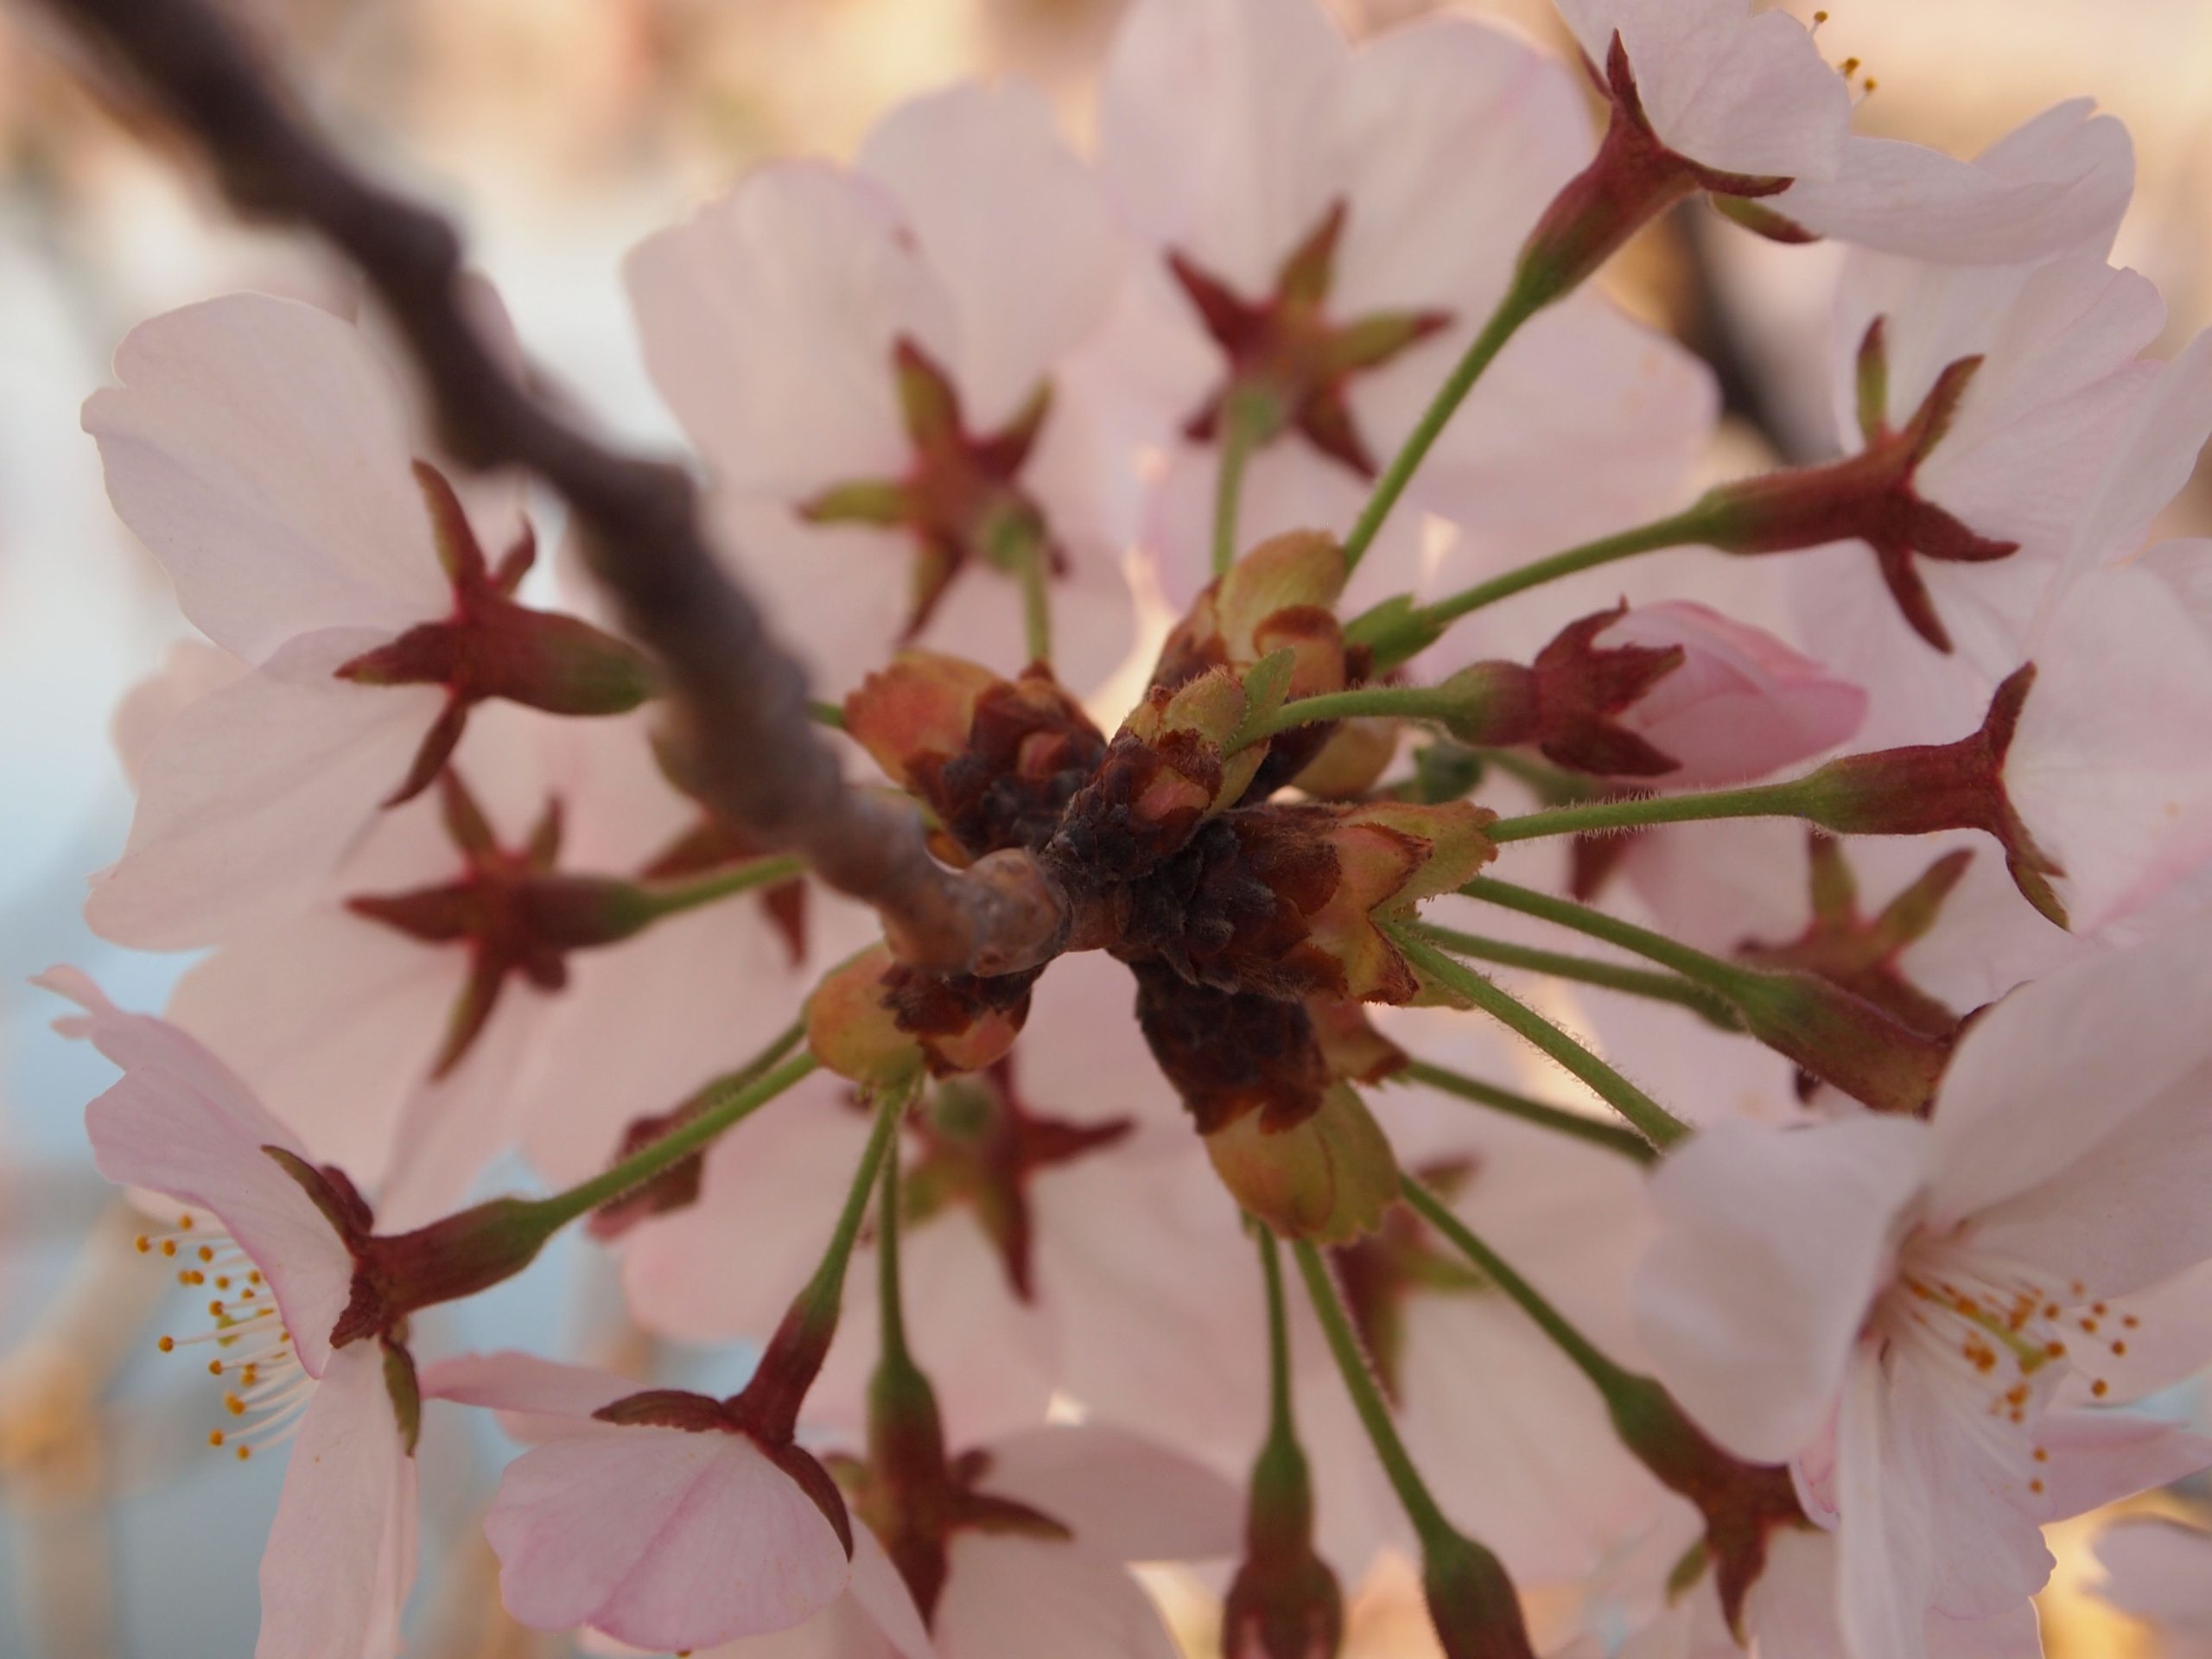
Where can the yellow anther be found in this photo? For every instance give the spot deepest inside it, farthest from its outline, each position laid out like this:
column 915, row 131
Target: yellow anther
column 167, row 1344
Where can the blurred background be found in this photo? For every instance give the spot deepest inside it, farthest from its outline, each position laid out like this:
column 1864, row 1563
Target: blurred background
column 559, row 131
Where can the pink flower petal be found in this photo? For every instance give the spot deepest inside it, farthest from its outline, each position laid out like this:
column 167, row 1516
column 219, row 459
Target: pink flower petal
column 1011, row 223
column 1123, row 1496
column 259, row 448
column 341, row 1558
column 1772, row 1244
column 537, row 1399
column 661, row 1538
column 1009, row 1595
column 179, row 1123
column 252, row 795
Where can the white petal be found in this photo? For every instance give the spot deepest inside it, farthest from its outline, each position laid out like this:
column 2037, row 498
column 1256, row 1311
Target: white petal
column 1016, row 227
column 1207, row 121
column 253, row 794
column 1772, row 1245
column 768, row 319
column 259, row 448
column 2011, row 1114
column 1123, row 1496
column 341, row 1557
column 1008, row 1595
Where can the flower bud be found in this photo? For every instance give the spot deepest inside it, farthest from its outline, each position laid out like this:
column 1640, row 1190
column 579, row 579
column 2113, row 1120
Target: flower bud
column 1741, row 704
column 1283, row 592
column 1329, row 1179
column 1229, row 1053
column 883, row 1024
column 1355, row 1051
column 1390, row 856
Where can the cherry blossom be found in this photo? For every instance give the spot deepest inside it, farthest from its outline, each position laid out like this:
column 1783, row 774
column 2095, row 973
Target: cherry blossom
column 1331, row 227
column 1914, row 1311
column 657, row 1517
column 260, row 447
column 180, row 1125
column 953, row 440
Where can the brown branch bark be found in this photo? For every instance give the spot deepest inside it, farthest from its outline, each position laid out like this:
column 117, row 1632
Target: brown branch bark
column 740, row 697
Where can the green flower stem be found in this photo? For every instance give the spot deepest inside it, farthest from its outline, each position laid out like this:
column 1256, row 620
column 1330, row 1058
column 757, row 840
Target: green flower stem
column 1592, row 1363
column 825, row 1292
column 826, row 713
column 1037, row 601
column 1429, row 1520
column 1529, row 295
column 1241, row 423
column 730, row 1102
column 1723, row 978
column 1404, row 701
column 1611, row 1136
column 896, row 1357
column 1613, row 976
column 1695, row 523
column 674, row 900
column 1783, row 800
column 1282, row 1428
column 1654, row 1121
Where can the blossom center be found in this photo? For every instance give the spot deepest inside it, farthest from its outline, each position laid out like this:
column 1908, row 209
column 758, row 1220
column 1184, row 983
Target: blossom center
column 1289, row 361
column 265, row 1389
column 961, row 499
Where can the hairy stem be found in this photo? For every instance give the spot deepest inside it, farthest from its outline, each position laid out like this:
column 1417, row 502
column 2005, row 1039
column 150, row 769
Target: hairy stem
column 1654, row 1121
column 1783, row 800
column 1708, row 1005
column 1611, row 1136
column 1523, row 301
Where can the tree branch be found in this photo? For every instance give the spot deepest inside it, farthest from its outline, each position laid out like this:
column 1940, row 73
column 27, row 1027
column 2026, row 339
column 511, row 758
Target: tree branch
column 740, row 698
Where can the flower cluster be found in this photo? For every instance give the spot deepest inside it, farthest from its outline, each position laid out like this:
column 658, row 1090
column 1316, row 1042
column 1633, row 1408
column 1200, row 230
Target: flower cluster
column 1755, row 1264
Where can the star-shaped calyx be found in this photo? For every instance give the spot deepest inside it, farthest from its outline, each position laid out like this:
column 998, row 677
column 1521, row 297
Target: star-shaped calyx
column 1382, row 1274
column 981, row 1146
column 1289, row 362
column 1861, row 953
column 961, row 498
column 1869, row 497
column 490, row 646
column 513, row 910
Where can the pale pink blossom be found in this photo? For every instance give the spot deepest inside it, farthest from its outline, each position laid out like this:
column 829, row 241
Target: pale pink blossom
column 2062, row 430
column 2160, row 1571
column 1917, row 1312
column 262, row 449
column 1067, row 1269
column 180, row 1125
column 972, row 246
column 1728, row 86
column 1741, row 704
column 379, row 1044
column 1232, row 131
column 1742, row 93
column 661, row 1536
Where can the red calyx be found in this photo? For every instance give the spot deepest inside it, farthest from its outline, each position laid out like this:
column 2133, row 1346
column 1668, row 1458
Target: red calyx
column 1742, row 1503
column 516, row 913
column 1284, row 1602
column 1921, row 790
column 490, row 646
column 914, row 1498
column 1565, row 703
column 1632, row 179
column 961, row 498
column 1288, row 362
column 699, row 1413
column 1861, row 953
column 1868, row 497
column 981, row 1146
